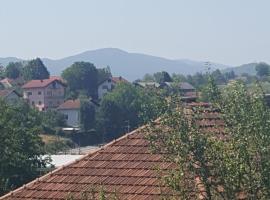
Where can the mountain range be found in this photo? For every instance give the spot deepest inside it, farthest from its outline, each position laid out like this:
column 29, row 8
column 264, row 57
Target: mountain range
column 129, row 65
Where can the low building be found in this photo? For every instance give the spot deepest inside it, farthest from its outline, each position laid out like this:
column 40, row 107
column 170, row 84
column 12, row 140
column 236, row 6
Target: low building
column 10, row 96
column 44, row 94
column 108, row 84
column 71, row 110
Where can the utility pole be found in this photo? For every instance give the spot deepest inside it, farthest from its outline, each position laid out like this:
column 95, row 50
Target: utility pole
column 127, row 126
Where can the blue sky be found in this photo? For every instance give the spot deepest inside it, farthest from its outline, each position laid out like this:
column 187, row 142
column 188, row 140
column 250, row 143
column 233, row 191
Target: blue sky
column 225, row 31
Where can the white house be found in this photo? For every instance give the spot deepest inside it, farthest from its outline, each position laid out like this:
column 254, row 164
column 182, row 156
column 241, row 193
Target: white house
column 108, row 84
column 71, row 110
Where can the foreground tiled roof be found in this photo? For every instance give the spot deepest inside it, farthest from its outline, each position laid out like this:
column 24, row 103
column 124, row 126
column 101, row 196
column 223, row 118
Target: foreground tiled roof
column 42, row 83
column 70, row 104
column 124, row 167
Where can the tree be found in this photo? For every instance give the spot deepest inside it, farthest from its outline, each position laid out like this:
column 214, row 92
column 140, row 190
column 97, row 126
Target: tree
column 35, row 70
column 104, row 73
column 82, row 76
column 211, row 92
column 262, row 69
column 87, row 115
column 122, row 109
column 52, row 121
column 162, row 77
column 21, row 148
column 13, row 70
column 228, row 166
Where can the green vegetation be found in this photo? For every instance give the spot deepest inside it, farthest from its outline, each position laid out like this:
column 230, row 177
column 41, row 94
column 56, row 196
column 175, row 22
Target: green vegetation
column 228, row 166
column 81, row 77
column 13, row 70
column 21, row 148
column 122, row 109
column 262, row 69
column 35, row 69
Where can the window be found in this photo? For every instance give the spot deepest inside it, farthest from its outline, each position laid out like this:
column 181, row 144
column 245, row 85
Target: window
column 33, row 103
column 49, row 93
column 66, row 117
column 29, row 93
column 50, row 103
column 39, row 92
column 39, row 103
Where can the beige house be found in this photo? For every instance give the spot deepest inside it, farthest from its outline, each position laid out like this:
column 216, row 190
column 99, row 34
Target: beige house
column 108, row 84
column 44, row 94
column 71, row 110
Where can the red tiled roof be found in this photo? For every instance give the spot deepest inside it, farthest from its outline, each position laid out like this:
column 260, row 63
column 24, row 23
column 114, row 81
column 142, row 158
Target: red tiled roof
column 42, row 83
column 124, row 167
column 4, row 93
column 70, row 104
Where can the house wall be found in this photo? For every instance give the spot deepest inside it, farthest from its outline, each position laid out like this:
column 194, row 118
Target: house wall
column 35, row 97
column 105, row 87
column 44, row 98
column 72, row 117
column 54, row 95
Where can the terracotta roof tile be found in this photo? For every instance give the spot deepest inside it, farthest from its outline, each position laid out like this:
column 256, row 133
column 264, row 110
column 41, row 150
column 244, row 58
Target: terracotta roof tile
column 124, row 167
column 70, row 104
column 42, row 83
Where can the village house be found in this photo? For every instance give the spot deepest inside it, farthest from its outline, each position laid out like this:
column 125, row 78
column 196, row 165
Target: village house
column 108, row 85
column 10, row 96
column 71, row 110
column 44, row 94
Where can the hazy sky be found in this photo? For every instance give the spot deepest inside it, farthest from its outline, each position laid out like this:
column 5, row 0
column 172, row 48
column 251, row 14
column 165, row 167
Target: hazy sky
column 224, row 31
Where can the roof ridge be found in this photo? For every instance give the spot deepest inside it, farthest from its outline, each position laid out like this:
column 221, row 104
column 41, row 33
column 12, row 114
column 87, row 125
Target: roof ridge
column 70, row 163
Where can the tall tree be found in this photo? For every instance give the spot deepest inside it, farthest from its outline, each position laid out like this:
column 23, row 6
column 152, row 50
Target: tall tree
column 82, row 76
column 162, row 77
column 87, row 115
column 35, row 70
column 21, row 148
column 122, row 109
column 262, row 69
column 13, row 70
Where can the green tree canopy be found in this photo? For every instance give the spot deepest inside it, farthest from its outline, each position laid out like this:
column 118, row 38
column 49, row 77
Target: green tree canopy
column 262, row 69
column 87, row 114
column 82, row 76
column 122, row 109
column 229, row 160
column 21, row 148
column 162, row 77
column 35, row 70
column 13, row 70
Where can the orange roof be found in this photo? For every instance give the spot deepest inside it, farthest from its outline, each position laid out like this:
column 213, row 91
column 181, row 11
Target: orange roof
column 42, row 83
column 70, row 104
column 124, row 167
